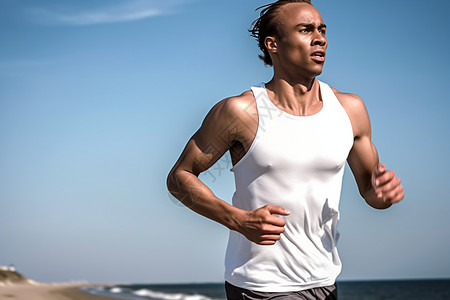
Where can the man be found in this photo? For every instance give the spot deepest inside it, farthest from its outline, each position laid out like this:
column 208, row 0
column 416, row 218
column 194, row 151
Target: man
column 289, row 140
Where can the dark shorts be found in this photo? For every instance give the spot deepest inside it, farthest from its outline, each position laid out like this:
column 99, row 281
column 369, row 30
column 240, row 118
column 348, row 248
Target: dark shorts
column 321, row 293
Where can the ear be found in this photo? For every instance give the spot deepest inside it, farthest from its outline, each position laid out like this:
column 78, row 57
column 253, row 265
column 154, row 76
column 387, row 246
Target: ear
column 271, row 44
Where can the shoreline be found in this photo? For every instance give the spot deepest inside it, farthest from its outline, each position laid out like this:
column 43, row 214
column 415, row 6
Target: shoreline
column 43, row 291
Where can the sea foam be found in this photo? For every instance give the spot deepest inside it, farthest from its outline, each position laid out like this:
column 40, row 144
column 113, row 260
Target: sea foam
column 167, row 296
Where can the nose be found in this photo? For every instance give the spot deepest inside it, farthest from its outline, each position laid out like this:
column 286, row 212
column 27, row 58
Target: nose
column 319, row 39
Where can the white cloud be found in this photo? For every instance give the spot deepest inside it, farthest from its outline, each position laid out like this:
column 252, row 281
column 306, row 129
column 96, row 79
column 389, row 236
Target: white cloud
column 126, row 11
column 90, row 18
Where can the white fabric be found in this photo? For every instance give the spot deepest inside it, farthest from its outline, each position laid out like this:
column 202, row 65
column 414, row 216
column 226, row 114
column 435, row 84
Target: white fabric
column 296, row 162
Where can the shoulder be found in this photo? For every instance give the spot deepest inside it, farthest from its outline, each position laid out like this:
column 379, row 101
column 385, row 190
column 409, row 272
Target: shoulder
column 231, row 120
column 356, row 111
column 350, row 102
column 240, row 106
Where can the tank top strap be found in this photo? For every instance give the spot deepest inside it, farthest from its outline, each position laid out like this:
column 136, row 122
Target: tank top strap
column 264, row 105
column 327, row 94
column 267, row 111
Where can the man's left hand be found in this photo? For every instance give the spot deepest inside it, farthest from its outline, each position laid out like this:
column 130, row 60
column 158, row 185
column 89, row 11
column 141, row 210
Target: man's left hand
column 387, row 185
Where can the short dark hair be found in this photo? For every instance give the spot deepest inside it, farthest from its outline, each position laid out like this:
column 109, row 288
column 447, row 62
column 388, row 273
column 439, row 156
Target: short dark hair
column 267, row 25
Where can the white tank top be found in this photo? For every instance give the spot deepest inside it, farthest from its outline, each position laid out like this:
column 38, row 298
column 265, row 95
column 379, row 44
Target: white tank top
column 296, row 162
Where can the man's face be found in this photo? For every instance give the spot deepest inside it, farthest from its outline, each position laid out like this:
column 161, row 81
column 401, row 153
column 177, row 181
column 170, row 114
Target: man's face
column 302, row 45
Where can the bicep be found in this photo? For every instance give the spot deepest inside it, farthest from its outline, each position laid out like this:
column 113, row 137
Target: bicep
column 363, row 156
column 201, row 152
column 362, row 160
column 207, row 145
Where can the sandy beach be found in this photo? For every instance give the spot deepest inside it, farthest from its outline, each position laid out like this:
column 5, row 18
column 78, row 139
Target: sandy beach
column 63, row 291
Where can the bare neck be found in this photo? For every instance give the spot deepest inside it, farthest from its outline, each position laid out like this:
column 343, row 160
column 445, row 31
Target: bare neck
column 301, row 98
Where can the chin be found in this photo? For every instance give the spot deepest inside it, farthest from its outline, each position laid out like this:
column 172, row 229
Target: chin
column 317, row 72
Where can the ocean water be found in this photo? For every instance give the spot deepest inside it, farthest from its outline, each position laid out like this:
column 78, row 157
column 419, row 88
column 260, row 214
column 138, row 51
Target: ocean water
column 347, row 290
column 198, row 291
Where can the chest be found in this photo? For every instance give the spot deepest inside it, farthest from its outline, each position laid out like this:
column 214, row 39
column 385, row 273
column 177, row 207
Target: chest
column 316, row 144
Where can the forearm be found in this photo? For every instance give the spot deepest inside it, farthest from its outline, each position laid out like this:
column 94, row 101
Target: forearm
column 195, row 195
column 363, row 159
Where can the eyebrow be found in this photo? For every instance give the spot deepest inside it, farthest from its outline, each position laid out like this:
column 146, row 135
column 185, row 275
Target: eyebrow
column 321, row 25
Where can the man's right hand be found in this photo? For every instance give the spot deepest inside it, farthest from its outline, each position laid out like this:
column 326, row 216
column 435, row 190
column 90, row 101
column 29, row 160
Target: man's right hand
column 261, row 226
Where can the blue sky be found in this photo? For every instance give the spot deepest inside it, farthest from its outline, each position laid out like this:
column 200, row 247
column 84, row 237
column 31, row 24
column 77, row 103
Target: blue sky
column 98, row 98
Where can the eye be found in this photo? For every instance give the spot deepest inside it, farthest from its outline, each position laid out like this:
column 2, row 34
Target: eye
column 304, row 30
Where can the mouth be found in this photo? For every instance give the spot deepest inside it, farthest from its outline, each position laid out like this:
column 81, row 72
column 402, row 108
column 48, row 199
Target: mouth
column 318, row 56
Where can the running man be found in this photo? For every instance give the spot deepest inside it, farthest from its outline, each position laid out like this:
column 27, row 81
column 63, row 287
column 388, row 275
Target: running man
column 289, row 140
